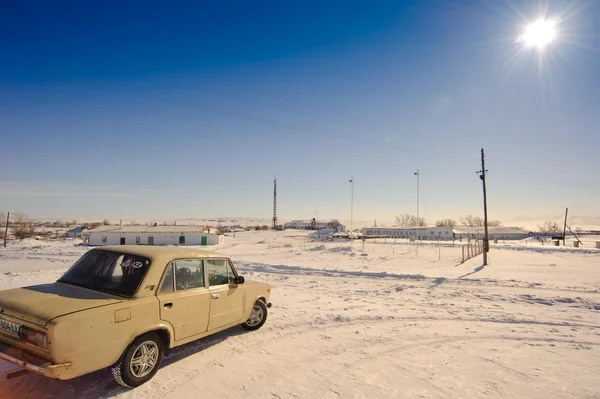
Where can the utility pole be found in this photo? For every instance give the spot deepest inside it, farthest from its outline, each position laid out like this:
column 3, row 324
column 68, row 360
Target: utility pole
column 565, row 227
column 317, row 223
column 418, row 222
column 274, row 203
column 351, row 208
column 6, row 229
column 486, row 243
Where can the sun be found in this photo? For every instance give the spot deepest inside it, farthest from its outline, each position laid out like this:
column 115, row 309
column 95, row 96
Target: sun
column 540, row 33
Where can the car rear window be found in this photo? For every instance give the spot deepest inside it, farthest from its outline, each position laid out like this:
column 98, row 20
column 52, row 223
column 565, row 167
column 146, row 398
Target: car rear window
column 107, row 271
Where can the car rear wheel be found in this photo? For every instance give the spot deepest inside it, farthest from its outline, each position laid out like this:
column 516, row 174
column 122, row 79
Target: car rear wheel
column 140, row 361
column 258, row 316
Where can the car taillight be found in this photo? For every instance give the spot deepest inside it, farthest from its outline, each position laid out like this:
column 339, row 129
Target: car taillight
column 33, row 337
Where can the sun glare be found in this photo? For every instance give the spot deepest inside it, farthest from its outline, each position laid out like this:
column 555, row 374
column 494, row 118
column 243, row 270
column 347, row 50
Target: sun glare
column 540, row 33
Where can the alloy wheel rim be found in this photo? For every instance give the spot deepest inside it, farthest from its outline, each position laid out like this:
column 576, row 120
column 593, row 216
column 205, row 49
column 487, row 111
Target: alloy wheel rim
column 256, row 316
column 144, row 359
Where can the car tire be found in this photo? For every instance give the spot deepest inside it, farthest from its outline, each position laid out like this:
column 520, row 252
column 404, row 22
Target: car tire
column 258, row 316
column 140, row 361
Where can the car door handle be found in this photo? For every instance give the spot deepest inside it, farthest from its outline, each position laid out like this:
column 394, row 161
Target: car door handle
column 168, row 305
column 216, row 296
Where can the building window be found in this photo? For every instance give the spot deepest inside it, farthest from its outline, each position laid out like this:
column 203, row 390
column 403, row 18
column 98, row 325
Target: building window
column 104, row 239
column 181, row 240
column 137, row 240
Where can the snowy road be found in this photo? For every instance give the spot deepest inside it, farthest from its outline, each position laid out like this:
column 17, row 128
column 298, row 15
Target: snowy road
column 387, row 324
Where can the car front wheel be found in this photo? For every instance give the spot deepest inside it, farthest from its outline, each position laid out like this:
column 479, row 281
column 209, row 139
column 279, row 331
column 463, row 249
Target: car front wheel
column 140, row 361
column 257, row 317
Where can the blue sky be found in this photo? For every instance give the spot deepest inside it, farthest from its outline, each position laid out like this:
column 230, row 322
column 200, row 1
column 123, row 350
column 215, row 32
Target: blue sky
column 163, row 110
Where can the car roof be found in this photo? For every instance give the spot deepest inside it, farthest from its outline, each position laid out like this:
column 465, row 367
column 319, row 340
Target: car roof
column 160, row 252
column 159, row 257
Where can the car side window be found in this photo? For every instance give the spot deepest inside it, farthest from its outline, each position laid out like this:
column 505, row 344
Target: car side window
column 189, row 274
column 219, row 272
column 167, row 284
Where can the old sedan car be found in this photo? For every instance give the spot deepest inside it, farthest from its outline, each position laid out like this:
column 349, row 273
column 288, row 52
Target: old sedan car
column 121, row 307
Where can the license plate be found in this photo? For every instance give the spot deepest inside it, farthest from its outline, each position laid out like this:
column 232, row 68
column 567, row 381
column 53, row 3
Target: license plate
column 10, row 327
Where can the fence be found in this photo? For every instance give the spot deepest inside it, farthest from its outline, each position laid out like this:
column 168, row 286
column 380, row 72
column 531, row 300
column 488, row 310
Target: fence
column 471, row 250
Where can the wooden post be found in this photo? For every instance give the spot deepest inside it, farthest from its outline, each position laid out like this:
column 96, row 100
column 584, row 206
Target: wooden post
column 6, row 229
column 565, row 227
column 482, row 174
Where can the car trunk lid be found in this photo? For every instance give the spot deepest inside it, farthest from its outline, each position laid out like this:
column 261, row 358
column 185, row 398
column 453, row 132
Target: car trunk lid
column 41, row 303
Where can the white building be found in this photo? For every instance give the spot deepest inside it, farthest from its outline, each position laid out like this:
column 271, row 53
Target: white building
column 150, row 235
column 447, row 233
column 494, row 233
column 422, row 233
column 310, row 225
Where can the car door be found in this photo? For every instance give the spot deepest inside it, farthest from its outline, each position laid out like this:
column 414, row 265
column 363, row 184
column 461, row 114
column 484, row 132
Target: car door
column 184, row 297
column 227, row 298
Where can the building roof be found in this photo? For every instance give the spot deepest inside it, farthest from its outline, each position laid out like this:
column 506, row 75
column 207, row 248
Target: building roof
column 148, row 229
column 491, row 230
column 460, row 229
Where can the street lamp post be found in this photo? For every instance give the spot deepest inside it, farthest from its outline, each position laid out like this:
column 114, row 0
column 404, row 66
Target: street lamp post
column 351, row 207
column 418, row 221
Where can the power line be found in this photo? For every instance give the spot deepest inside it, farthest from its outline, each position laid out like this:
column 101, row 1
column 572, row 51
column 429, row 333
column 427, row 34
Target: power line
column 246, row 117
column 381, row 129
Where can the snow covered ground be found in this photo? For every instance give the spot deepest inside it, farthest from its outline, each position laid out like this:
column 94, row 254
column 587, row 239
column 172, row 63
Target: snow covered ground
column 377, row 320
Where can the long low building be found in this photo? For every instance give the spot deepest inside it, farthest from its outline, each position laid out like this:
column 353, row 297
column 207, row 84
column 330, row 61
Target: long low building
column 447, row 233
column 150, row 235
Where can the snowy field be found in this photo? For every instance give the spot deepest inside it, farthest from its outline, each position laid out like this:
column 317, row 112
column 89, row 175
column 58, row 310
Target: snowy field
column 377, row 320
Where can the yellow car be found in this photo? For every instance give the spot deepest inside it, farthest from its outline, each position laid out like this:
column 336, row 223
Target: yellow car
column 122, row 307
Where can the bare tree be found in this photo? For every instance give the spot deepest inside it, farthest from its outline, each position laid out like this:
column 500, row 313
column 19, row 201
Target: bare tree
column 408, row 220
column 471, row 221
column 334, row 224
column 549, row 227
column 494, row 223
column 446, row 223
column 23, row 226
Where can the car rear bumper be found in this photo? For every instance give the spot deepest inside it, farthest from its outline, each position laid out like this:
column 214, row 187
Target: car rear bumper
column 30, row 362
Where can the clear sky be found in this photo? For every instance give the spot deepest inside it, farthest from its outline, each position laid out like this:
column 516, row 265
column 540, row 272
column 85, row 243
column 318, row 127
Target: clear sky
column 188, row 109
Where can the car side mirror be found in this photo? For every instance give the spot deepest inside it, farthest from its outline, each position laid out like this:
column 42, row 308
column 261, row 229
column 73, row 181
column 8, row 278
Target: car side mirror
column 240, row 280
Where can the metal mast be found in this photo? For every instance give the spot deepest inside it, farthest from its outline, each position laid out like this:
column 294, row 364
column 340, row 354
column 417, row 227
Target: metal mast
column 275, row 203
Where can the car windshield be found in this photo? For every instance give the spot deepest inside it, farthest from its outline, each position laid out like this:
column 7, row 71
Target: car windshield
column 107, row 271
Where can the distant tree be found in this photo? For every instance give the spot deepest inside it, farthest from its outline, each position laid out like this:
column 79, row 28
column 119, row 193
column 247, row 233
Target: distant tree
column 334, row 224
column 549, row 227
column 106, row 222
column 446, row 223
column 408, row 220
column 94, row 225
column 494, row 223
column 22, row 226
column 471, row 221
column 264, row 227
column 74, row 222
column 2, row 219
